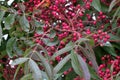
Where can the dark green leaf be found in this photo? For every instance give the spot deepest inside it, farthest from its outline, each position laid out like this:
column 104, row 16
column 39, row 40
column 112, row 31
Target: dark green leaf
column 24, row 23
column 51, row 43
column 2, row 13
column 110, row 50
column 96, row 4
column 9, row 46
column 19, row 61
column 39, row 30
column 9, row 20
column 35, row 70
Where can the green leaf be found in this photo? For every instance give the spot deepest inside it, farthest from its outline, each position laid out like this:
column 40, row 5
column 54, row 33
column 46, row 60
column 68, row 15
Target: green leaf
column 2, row 13
column 76, row 64
column 21, row 6
column 51, row 43
column 9, row 46
column 35, row 70
column 17, row 50
column 96, row 4
column 9, row 20
column 24, row 23
column 0, row 34
column 84, row 68
column 67, row 48
column 27, row 77
column 52, row 34
column 46, row 65
column 60, row 65
column 79, row 65
column 110, row 50
column 116, row 13
column 112, row 4
column 1, row 17
column 39, row 30
column 19, row 61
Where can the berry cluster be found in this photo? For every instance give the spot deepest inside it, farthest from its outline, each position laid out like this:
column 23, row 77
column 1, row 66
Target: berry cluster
column 110, row 67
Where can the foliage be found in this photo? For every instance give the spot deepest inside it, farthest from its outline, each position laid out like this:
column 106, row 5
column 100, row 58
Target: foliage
column 54, row 39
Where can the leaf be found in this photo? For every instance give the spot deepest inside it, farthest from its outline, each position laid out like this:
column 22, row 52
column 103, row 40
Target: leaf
column 81, row 64
column 9, row 20
column 35, row 70
column 52, row 34
column 112, row 4
column 27, row 77
column 2, row 13
column 39, row 30
column 19, row 61
column 1, row 17
column 96, row 4
column 9, row 46
column 110, row 50
column 24, row 23
column 84, row 68
column 17, row 50
column 60, row 65
column 46, row 65
column 76, row 64
column 51, row 43
column 67, row 48
column 0, row 34
column 116, row 13
column 21, row 6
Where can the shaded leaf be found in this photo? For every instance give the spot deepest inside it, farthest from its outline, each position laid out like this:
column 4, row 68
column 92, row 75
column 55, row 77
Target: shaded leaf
column 19, row 61
column 110, row 50
column 35, row 70
column 39, row 30
column 24, row 23
column 9, row 20
column 96, row 4
column 9, row 46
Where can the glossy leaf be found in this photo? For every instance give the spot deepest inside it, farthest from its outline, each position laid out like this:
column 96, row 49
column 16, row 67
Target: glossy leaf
column 24, row 23
column 35, row 70
column 52, row 34
column 96, row 4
